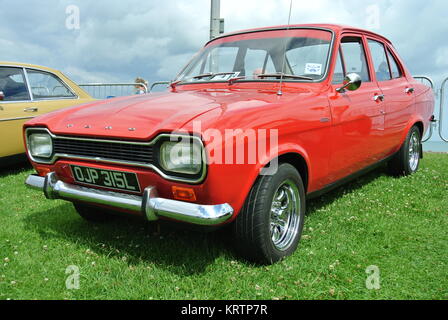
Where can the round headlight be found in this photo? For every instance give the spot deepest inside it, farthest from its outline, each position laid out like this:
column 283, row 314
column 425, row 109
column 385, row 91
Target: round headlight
column 40, row 145
column 181, row 157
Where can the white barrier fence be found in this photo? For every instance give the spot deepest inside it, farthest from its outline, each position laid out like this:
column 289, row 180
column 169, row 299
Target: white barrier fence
column 425, row 80
column 110, row 90
column 159, row 83
column 429, row 82
column 438, row 93
column 442, row 107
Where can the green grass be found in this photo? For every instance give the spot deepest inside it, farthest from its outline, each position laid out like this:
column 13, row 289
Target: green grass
column 398, row 225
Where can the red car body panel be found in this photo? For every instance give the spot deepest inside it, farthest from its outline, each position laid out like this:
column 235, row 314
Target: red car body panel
column 359, row 131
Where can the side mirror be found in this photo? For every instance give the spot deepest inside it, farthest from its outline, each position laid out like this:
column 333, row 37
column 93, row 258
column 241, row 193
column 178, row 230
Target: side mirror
column 352, row 82
column 2, row 96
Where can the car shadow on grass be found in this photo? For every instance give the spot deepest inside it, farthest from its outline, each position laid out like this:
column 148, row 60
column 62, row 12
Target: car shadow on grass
column 313, row 205
column 182, row 252
column 7, row 169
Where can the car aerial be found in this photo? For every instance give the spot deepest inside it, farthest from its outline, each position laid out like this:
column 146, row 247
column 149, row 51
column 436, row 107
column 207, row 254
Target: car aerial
column 258, row 122
column 27, row 91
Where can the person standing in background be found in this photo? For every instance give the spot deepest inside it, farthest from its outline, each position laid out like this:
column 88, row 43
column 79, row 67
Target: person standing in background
column 140, row 89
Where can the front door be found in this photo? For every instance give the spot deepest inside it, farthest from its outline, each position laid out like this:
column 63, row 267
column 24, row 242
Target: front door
column 358, row 116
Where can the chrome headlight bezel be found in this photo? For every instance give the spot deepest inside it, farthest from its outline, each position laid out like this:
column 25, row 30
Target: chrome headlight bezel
column 39, row 145
column 181, row 155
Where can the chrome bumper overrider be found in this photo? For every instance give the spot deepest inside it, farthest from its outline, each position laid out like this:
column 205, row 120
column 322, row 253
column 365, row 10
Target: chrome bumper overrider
column 149, row 204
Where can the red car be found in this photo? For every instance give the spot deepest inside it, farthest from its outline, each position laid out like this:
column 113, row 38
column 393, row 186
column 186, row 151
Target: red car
column 258, row 122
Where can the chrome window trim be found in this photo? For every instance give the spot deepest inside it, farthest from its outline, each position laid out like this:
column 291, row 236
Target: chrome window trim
column 322, row 79
column 57, row 156
column 19, row 101
column 75, row 96
column 18, row 118
column 30, row 92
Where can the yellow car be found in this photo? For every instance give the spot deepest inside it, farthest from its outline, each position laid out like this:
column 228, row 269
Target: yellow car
column 27, row 91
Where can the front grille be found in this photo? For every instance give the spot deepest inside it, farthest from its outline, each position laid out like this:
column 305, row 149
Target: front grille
column 103, row 149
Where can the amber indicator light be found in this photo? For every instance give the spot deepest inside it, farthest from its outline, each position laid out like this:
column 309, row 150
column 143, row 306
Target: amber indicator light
column 42, row 171
column 185, row 194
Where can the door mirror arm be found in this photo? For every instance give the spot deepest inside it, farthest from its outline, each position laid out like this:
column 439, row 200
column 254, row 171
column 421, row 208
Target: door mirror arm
column 2, row 96
column 352, row 82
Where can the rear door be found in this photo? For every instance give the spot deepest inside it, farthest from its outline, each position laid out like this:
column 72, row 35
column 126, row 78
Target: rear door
column 398, row 95
column 49, row 92
column 358, row 117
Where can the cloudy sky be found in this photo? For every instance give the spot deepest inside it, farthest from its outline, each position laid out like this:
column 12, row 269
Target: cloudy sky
column 119, row 40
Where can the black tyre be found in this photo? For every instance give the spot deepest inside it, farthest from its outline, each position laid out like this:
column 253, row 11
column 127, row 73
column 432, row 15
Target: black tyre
column 407, row 159
column 270, row 224
column 92, row 213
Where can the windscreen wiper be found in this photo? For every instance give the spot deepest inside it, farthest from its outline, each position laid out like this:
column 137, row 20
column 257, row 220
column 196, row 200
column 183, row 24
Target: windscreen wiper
column 200, row 76
column 284, row 75
column 205, row 75
column 234, row 79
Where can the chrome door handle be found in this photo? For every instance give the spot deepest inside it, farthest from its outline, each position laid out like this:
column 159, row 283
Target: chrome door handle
column 382, row 112
column 32, row 109
column 379, row 97
column 409, row 90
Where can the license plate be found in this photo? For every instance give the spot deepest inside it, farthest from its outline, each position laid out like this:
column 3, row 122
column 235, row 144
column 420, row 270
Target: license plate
column 112, row 179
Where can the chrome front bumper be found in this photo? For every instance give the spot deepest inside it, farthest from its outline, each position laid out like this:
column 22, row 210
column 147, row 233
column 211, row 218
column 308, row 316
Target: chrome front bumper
column 149, row 204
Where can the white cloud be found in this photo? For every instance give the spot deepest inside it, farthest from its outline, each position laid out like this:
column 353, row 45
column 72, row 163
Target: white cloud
column 119, row 40
column 442, row 57
column 171, row 65
column 88, row 77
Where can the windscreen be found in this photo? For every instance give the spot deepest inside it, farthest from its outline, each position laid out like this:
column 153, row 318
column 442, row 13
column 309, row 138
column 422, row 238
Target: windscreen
column 261, row 56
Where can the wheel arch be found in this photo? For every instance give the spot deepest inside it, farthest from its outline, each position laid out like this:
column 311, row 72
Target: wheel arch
column 297, row 161
column 413, row 122
column 286, row 153
column 420, row 126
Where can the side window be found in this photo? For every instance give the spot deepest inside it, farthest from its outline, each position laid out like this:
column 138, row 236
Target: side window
column 45, row 85
column 379, row 60
column 339, row 74
column 13, row 84
column 355, row 57
column 396, row 73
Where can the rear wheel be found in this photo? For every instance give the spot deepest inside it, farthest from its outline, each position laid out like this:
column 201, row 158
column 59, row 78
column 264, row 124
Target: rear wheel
column 92, row 213
column 269, row 226
column 407, row 159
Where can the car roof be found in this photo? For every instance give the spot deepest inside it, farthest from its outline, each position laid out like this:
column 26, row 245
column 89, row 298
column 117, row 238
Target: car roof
column 337, row 28
column 26, row 65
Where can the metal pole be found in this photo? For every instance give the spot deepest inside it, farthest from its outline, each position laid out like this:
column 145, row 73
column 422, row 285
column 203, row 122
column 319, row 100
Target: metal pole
column 215, row 19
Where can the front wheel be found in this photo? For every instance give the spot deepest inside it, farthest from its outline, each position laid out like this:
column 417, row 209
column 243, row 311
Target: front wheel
column 407, row 159
column 270, row 224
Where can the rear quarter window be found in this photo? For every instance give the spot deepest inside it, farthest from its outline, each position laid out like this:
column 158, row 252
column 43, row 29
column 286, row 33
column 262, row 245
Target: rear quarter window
column 394, row 66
